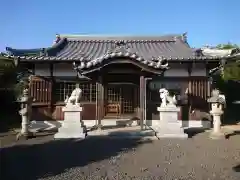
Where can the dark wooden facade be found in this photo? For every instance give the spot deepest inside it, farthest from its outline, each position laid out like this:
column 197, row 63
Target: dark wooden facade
column 124, row 75
column 121, row 95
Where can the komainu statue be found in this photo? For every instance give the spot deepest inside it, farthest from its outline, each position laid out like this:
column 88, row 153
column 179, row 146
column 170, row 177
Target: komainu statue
column 166, row 98
column 75, row 97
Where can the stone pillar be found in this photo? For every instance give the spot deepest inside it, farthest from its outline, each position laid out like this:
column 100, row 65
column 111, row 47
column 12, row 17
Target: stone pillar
column 25, row 123
column 216, row 112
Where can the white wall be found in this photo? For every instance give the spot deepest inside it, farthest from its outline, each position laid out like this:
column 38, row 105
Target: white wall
column 180, row 70
column 59, row 69
column 63, row 69
column 177, row 70
column 199, row 70
column 42, row 69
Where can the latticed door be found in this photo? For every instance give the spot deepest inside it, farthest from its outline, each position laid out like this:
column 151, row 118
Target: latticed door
column 113, row 100
column 127, row 99
column 120, row 99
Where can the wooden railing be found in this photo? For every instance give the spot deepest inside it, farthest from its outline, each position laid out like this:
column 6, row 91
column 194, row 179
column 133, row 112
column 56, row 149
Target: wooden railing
column 199, row 91
column 199, row 87
column 41, row 90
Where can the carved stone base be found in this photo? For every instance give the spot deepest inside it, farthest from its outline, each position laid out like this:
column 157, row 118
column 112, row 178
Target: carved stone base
column 25, row 136
column 173, row 130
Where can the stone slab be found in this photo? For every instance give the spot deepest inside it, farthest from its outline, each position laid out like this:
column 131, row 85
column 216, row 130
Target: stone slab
column 69, row 135
column 168, row 135
column 72, row 108
column 169, row 109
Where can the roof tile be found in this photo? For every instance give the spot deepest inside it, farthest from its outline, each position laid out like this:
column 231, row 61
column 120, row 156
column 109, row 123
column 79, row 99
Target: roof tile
column 91, row 50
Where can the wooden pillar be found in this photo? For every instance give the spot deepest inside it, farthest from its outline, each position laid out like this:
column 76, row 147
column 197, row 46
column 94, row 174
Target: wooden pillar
column 52, row 81
column 99, row 101
column 142, row 100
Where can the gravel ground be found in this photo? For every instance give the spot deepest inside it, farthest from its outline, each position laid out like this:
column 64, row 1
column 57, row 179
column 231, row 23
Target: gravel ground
column 99, row 158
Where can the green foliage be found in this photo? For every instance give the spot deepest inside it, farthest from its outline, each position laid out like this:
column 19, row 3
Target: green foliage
column 227, row 46
column 18, row 88
column 231, row 71
column 6, row 63
column 8, row 77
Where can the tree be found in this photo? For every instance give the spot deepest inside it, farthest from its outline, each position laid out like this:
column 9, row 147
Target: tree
column 227, row 46
column 7, row 71
column 229, row 79
column 231, row 70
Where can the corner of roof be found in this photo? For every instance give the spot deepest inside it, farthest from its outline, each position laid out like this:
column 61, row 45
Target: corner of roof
column 58, row 44
column 183, row 38
column 23, row 52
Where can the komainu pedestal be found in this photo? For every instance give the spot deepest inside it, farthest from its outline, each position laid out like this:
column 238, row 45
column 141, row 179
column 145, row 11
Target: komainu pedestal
column 169, row 126
column 72, row 126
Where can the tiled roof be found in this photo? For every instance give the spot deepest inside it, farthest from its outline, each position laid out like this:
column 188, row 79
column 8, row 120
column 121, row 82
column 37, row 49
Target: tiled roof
column 92, row 50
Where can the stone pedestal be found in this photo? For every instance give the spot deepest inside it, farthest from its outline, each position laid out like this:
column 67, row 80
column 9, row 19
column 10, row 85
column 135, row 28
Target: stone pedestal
column 72, row 126
column 169, row 126
column 217, row 132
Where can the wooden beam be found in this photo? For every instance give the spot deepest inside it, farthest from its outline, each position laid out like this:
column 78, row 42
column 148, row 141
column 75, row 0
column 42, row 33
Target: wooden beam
column 51, row 88
column 189, row 68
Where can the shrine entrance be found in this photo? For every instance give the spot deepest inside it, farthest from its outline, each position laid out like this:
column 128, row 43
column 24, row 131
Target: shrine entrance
column 121, row 100
column 121, row 95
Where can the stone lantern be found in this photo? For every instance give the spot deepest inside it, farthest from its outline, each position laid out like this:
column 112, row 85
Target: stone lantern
column 217, row 102
column 25, row 112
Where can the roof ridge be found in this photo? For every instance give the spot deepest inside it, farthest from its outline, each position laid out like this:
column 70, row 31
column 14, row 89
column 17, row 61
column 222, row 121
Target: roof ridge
column 105, row 37
column 116, row 35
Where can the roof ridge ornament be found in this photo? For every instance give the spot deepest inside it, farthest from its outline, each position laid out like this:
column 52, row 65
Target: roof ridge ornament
column 119, row 47
column 184, row 37
column 162, row 63
column 58, row 38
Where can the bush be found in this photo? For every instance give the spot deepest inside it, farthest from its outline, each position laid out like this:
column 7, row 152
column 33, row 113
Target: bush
column 232, row 71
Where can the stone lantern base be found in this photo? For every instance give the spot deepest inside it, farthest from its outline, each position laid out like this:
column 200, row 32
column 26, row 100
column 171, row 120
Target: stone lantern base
column 25, row 136
column 217, row 132
column 219, row 135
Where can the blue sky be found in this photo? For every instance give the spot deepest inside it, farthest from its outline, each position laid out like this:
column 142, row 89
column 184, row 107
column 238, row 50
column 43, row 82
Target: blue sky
column 34, row 23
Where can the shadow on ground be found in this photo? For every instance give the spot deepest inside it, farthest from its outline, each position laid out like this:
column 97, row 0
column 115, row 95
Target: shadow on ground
column 194, row 131
column 7, row 124
column 51, row 158
column 234, row 133
column 237, row 168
